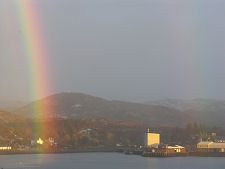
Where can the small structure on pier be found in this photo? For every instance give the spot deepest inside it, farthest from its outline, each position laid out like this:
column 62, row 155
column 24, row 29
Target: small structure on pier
column 175, row 149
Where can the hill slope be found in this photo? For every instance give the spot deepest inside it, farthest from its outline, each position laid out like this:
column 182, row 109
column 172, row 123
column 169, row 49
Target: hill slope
column 77, row 105
column 11, row 126
column 11, row 105
column 208, row 111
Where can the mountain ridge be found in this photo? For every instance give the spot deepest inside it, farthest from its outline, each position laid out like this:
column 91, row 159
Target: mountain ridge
column 207, row 111
column 78, row 105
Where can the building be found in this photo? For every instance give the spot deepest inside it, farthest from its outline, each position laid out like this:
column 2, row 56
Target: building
column 167, row 149
column 211, row 147
column 218, row 139
column 204, row 145
column 152, row 139
column 86, row 131
column 175, row 149
column 40, row 141
column 51, row 141
column 5, row 148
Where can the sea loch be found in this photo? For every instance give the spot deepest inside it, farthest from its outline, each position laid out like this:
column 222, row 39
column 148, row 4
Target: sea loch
column 107, row 161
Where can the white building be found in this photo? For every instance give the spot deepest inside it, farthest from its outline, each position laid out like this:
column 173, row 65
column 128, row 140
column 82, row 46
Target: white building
column 5, row 148
column 152, row 139
column 211, row 147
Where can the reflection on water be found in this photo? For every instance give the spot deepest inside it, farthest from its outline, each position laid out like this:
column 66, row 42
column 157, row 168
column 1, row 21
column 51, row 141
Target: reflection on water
column 107, row 161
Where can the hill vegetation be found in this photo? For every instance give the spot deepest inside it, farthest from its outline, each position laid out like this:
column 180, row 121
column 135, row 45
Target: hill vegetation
column 207, row 111
column 77, row 105
column 84, row 133
column 79, row 120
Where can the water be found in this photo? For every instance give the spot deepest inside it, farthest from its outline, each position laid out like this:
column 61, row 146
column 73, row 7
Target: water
column 107, row 161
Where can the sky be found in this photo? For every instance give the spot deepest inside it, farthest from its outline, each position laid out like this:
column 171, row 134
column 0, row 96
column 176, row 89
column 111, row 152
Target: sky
column 133, row 50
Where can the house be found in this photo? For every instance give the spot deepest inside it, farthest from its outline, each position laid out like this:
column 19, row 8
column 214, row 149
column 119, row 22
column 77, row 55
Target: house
column 86, row 131
column 5, row 148
column 40, row 141
column 175, row 149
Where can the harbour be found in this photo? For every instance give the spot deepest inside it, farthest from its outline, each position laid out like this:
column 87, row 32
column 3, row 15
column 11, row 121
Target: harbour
column 213, row 147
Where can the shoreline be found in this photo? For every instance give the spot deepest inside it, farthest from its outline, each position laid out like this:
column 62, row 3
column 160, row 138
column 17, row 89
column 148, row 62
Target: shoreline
column 55, row 152
column 146, row 154
column 186, row 154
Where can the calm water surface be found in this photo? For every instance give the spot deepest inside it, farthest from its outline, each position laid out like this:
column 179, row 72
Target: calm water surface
column 107, row 161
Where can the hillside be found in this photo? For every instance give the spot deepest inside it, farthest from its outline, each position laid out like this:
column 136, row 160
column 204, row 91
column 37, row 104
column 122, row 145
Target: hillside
column 77, row 105
column 11, row 105
column 207, row 111
column 12, row 126
column 16, row 130
column 82, row 134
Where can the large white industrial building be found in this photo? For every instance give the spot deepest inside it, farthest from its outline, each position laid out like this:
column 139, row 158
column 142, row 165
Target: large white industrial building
column 152, row 139
column 211, row 147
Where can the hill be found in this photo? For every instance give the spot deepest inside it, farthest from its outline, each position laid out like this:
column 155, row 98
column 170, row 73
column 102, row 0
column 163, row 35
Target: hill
column 11, row 105
column 77, row 105
column 207, row 111
column 12, row 126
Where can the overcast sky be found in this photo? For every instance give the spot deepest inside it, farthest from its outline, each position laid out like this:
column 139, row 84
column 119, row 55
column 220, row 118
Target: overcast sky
column 136, row 50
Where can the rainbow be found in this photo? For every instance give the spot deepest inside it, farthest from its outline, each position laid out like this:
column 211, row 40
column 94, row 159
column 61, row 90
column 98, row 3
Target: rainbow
column 33, row 49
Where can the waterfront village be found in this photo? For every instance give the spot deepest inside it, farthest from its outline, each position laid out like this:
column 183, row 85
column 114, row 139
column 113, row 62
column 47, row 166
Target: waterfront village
column 213, row 146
